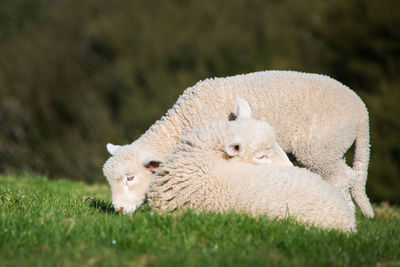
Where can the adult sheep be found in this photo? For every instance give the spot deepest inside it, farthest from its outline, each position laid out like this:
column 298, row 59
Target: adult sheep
column 316, row 118
column 211, row 169
column 259, row 136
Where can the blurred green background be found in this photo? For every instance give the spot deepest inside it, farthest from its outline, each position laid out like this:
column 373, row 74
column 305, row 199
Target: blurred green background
column 76, row 74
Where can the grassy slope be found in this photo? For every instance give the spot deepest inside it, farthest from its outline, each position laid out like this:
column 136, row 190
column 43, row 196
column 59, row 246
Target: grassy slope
column 63, row 223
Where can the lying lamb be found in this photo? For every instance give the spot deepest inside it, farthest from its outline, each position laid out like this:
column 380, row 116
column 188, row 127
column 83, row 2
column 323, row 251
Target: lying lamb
column 211, row 169
column 315, row 117
column 130, row 193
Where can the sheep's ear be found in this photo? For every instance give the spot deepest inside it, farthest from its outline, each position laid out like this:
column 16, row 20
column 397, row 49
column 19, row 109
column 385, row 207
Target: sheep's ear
column 234, row 148
column 112, row 149
column 243, row 110
column 152, row 163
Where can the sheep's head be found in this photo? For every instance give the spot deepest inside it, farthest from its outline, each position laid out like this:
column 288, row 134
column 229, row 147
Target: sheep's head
column 129, row 173
column 253, row 140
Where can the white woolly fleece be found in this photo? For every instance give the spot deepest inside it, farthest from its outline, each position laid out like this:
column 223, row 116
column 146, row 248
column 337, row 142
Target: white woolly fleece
column 315, row 117
column 205, row 179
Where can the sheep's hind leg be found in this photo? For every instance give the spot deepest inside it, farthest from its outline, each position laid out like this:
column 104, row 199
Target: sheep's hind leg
column 336, row 172
column 322, row 152
column 343, row 178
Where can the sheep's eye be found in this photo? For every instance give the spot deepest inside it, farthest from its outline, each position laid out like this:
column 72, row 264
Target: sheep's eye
column 262, row 157
column 130, row 178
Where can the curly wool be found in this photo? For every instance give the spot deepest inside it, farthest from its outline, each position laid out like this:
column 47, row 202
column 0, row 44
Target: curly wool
column 205, row 179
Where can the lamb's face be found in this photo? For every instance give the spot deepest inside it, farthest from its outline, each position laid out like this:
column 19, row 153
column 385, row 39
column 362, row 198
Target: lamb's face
column 254, row 142
column 129, row 173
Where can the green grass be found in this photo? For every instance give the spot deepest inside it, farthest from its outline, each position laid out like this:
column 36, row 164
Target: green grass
column 64, row 223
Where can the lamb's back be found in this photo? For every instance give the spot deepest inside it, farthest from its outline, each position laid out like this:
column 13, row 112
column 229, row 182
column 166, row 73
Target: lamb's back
column 294, row 103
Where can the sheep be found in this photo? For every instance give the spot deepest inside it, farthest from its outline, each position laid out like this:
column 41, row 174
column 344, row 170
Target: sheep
column 130, row 193
column 215, row 171
column 274, row 191
column 316, row 118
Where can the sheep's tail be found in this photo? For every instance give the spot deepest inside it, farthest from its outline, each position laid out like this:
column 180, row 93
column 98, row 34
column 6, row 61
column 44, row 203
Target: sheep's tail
column 360, row 166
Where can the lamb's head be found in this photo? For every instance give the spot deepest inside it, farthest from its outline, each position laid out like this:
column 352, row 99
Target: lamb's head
column 129, row 173
column 252, row 140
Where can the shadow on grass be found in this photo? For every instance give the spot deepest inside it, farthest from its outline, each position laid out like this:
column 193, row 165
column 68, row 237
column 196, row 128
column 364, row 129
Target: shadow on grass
column 100, row 205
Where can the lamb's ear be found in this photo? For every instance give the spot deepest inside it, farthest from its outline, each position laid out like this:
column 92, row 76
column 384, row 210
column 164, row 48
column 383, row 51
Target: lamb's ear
column 243, row 110
column 234, row 148
column 152, row 162
column 112, row 149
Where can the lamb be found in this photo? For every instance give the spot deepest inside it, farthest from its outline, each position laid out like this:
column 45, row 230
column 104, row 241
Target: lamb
column 315, row 117
column 211, row 170
column 274, row 191
column 260, row 136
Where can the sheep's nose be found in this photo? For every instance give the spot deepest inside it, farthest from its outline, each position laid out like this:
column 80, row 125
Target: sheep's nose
column 121, row 209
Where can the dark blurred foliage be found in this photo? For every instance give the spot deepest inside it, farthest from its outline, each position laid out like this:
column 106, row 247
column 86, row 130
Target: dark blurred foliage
column 75, row 75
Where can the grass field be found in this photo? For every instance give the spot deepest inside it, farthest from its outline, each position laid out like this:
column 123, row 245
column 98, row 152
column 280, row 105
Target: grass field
column 64, row 223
